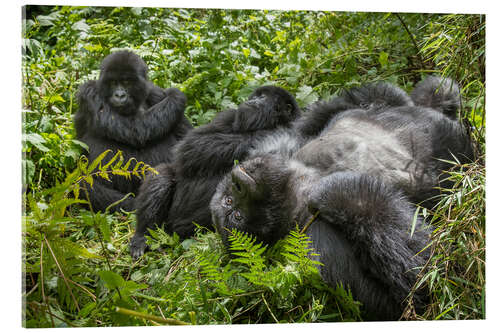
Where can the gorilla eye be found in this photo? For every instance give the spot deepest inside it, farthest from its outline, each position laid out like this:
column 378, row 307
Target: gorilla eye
column 229, row 201
column 289, row 107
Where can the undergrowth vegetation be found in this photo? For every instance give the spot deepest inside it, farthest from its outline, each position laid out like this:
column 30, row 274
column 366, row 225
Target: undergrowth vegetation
column 76, row 262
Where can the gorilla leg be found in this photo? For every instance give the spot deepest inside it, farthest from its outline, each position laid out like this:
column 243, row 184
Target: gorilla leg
column 370, row 96
column 377, row 95
column 376, row 220
column 341, row 265
column 313, row 122
column 102, row 196
column 153, row 204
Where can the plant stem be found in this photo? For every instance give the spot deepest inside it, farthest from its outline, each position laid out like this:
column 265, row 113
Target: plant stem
column 62, row 273
column 168, row 321
column 99, row 236
column 42, row 284
column 422, row 62
column 309, row 222
column 269, row 309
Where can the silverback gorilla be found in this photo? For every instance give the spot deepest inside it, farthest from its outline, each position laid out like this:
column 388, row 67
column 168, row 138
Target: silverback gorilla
column 181, row 193
column 124, row 111
column 372, row 154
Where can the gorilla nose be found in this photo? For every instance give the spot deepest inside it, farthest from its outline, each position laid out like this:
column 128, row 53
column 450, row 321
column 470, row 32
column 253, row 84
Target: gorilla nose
column 243, row 183
column 120, row 95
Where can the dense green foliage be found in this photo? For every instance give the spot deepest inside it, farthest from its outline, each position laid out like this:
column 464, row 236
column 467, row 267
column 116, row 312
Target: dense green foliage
column 77, row 268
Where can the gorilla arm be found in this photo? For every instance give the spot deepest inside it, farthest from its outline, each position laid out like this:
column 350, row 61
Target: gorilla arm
column 212, row 148
column 90, row 103
column 376, row 219
column 314, row 121
column 207, row 154
column 137, row 130
column 153, row 204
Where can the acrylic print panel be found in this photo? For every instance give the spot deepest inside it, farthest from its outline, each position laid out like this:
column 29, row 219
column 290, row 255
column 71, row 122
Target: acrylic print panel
column 77, row 267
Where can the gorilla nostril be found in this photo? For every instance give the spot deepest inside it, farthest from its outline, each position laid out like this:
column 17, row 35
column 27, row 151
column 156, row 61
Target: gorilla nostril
column 237, row 186
column 243, row 185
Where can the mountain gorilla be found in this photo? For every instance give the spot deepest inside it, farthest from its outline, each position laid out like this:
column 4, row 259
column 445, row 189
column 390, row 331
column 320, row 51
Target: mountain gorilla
column 375, row 156
column 181, row 193
column 124, row 111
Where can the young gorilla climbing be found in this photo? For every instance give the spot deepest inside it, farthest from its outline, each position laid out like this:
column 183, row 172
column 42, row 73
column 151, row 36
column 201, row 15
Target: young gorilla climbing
column 376, row 155
column 125, row 111
column 181, row 193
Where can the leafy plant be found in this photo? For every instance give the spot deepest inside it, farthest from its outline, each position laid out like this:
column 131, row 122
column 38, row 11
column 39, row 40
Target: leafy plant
column 455, row 272
column 56, row 262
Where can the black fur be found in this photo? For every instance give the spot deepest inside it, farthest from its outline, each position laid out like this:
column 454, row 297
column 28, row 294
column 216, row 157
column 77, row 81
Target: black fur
column 146, row 125
column 438, row 93
column 203, row 157
column 370, row 96
column 362, row 174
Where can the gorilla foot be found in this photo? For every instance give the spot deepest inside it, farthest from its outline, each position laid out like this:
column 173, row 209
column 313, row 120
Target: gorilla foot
column 137, row 246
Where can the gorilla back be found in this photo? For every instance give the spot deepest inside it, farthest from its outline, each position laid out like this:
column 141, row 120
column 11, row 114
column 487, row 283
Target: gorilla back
column 375, row 157
column 124, row 111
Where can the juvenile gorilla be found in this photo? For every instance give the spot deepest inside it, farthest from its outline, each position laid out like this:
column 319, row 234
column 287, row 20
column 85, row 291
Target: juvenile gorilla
column 124, row 111
column 181, row 193
column 376, row 157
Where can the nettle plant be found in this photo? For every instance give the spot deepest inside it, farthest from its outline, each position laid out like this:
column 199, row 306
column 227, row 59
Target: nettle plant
column 52, row 255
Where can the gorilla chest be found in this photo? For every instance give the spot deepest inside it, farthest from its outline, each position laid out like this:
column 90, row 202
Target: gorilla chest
column 359, row 145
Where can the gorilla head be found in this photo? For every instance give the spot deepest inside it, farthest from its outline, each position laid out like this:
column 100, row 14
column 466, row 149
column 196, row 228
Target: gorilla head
column 266, row 108
column 252, row 198
column 123, row 82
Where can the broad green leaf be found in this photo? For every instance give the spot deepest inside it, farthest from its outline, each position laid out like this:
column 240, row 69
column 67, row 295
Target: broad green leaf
column 306, row 95
column 81, row 144
column 36, row 140
column 81, row 26
column 111, row 279
column 28, row 171
column 103, row 224
column 53, row 98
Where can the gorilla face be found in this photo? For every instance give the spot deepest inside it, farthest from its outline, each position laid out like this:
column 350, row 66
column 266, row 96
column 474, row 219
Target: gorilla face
column 252, row 198
column 123, row 82
column 120, row 92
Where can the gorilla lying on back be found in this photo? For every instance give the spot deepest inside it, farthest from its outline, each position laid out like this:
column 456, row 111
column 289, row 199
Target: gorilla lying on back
column 181, row 193
column 376, row 157
column 124, row 111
